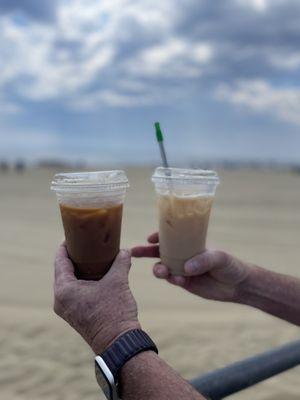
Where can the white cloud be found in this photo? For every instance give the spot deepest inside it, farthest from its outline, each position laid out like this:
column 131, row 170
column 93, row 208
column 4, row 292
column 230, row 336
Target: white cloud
column 174, row 58
column 262, row 5
column 43, row 70
column 78, row 55
column 262, row 97
column 124, row 99
column 103, row 97
column 258, row 5
column 93, row 47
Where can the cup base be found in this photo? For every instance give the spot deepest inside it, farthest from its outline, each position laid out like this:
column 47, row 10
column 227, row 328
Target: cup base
column 175, row 265
column 89, row 277
column 92, row 271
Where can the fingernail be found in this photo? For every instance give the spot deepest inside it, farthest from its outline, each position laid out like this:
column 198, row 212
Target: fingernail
column 159, row 270
column 191, row 267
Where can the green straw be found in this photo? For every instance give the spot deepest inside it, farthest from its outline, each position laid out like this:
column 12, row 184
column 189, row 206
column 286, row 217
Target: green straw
column 160, row 140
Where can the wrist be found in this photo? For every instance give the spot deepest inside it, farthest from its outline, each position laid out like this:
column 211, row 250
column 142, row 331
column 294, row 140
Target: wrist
column 137, row 366
column 248, row 287
column 106, row 336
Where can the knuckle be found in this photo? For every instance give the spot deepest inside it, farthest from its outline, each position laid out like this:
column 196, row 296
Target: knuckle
column 222, row 258
column 125, row 257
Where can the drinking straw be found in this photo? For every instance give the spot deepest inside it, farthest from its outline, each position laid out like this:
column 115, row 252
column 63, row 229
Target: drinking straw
column 160, row 140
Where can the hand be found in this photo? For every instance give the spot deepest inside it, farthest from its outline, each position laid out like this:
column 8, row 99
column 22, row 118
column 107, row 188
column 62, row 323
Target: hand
column 213, row 275
column 99, row 311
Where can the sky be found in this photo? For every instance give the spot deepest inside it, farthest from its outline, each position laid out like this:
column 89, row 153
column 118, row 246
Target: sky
column 86, row 80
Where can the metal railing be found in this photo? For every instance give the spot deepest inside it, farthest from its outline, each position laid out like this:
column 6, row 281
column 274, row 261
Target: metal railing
column 241, row 375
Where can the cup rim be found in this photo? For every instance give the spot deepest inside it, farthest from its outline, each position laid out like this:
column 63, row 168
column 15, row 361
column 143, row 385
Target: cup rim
column 90, row 181
column 186, row 176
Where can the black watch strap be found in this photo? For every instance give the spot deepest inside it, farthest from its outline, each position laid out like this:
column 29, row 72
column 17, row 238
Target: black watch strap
column 126, row 347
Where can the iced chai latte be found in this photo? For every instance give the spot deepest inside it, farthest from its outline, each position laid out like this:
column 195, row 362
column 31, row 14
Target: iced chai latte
column 185, row 199
column 91, row 206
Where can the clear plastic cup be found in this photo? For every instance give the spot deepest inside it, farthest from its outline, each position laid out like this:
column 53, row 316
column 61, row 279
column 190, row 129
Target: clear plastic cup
column 185, row 199
column 91, row 205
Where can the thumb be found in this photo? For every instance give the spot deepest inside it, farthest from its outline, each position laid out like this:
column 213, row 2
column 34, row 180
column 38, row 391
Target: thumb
column 122, row 263
column 205, row 262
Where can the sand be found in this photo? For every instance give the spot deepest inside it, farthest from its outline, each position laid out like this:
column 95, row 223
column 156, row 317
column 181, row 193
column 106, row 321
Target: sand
column 256, row 217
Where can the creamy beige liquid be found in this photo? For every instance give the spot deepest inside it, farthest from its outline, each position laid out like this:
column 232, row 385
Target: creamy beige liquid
column 182, row 229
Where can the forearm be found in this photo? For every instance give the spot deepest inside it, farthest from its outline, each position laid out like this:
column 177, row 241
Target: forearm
column 148, row 377
column 273, row 293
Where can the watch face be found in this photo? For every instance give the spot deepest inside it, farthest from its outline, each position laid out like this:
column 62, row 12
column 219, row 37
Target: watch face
column 103, row 383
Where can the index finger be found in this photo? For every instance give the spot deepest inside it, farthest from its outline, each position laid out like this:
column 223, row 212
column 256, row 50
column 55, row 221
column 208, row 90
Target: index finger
column 64, row 269
column 145, row 251
column 153, row 238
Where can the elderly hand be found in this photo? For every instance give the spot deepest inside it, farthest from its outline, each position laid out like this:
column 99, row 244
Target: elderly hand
column 99, row 311
column 213, row 275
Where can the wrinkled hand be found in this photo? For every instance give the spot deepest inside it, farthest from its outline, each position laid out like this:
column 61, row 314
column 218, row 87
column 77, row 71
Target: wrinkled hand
column 99, row 311
column 213, row 275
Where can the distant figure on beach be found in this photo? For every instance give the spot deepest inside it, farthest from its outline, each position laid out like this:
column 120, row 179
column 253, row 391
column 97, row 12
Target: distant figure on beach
column 4, row 166
column 20, row 166
column 105, row 314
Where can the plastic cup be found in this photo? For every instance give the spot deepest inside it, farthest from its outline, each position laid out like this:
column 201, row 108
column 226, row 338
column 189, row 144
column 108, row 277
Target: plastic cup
column 91, row 205
column 185, row 199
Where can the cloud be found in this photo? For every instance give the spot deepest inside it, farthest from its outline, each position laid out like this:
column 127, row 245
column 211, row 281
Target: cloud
column 285, row 61
column 107, row 97
column 76, row 59
column 122, row 53
column 259, row 5
column 125, row 97
column 261, row 97
column 174, row 58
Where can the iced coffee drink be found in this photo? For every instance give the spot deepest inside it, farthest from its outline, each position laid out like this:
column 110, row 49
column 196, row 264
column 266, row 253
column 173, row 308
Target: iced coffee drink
column 185, row 199
column 91, row 206
column 93, row 237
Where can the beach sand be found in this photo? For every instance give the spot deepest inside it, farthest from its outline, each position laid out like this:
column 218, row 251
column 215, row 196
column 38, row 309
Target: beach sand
column 256, row 217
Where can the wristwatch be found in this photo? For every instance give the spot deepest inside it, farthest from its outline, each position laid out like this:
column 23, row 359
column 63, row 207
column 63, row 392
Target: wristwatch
column 109, row 364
